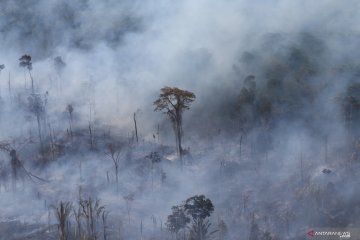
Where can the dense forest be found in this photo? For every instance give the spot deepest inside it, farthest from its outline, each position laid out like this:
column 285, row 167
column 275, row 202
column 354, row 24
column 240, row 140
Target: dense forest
column 188, row 120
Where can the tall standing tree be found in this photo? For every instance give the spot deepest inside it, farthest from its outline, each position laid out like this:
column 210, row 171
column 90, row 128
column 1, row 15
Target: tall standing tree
column 25, row 62
column 199, row 208
column 173, row 102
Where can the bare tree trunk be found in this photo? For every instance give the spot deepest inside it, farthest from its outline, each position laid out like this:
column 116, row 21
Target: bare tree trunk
column 70, row 125
column 241, row 140
column 9, row 85
column 104, row 215
column 91, row 136
column 158, row 132
column 178, row 135
column 180, row 139
column 128, row 211
column 141, row 230
column 32, row 82
column 152, row 176
column 117, row 177
column 176, row 139
column 52, row 145
column 80, row 169
column 301, row 168
column 0, row 88
column 107, row 177
column 25, row 79
column 39, row 132
column 136, row 131
column 326, row 149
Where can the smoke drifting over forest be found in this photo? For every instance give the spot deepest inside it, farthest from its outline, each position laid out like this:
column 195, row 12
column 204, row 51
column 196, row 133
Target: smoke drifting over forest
column 272, row 137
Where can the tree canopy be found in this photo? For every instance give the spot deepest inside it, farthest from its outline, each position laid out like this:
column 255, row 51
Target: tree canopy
column 173, row 100
column 199, row 207
column 25, row 62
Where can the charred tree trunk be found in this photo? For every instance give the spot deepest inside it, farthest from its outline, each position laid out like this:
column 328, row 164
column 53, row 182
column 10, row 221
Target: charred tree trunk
column 301, row 168
column 158, row 133
column 136, row 131
column 178, row 136
column 117, row 176
column 91, row 136
column 9, row 86
column 326, row 149
column 70, row 125
column 178, row 133
column 39, row 132
column 179, row 140
column 240, row 150
column 32, row 82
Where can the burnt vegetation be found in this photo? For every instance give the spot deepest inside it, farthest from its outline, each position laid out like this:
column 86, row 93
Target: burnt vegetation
column 282, row 94
column 262, row 151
